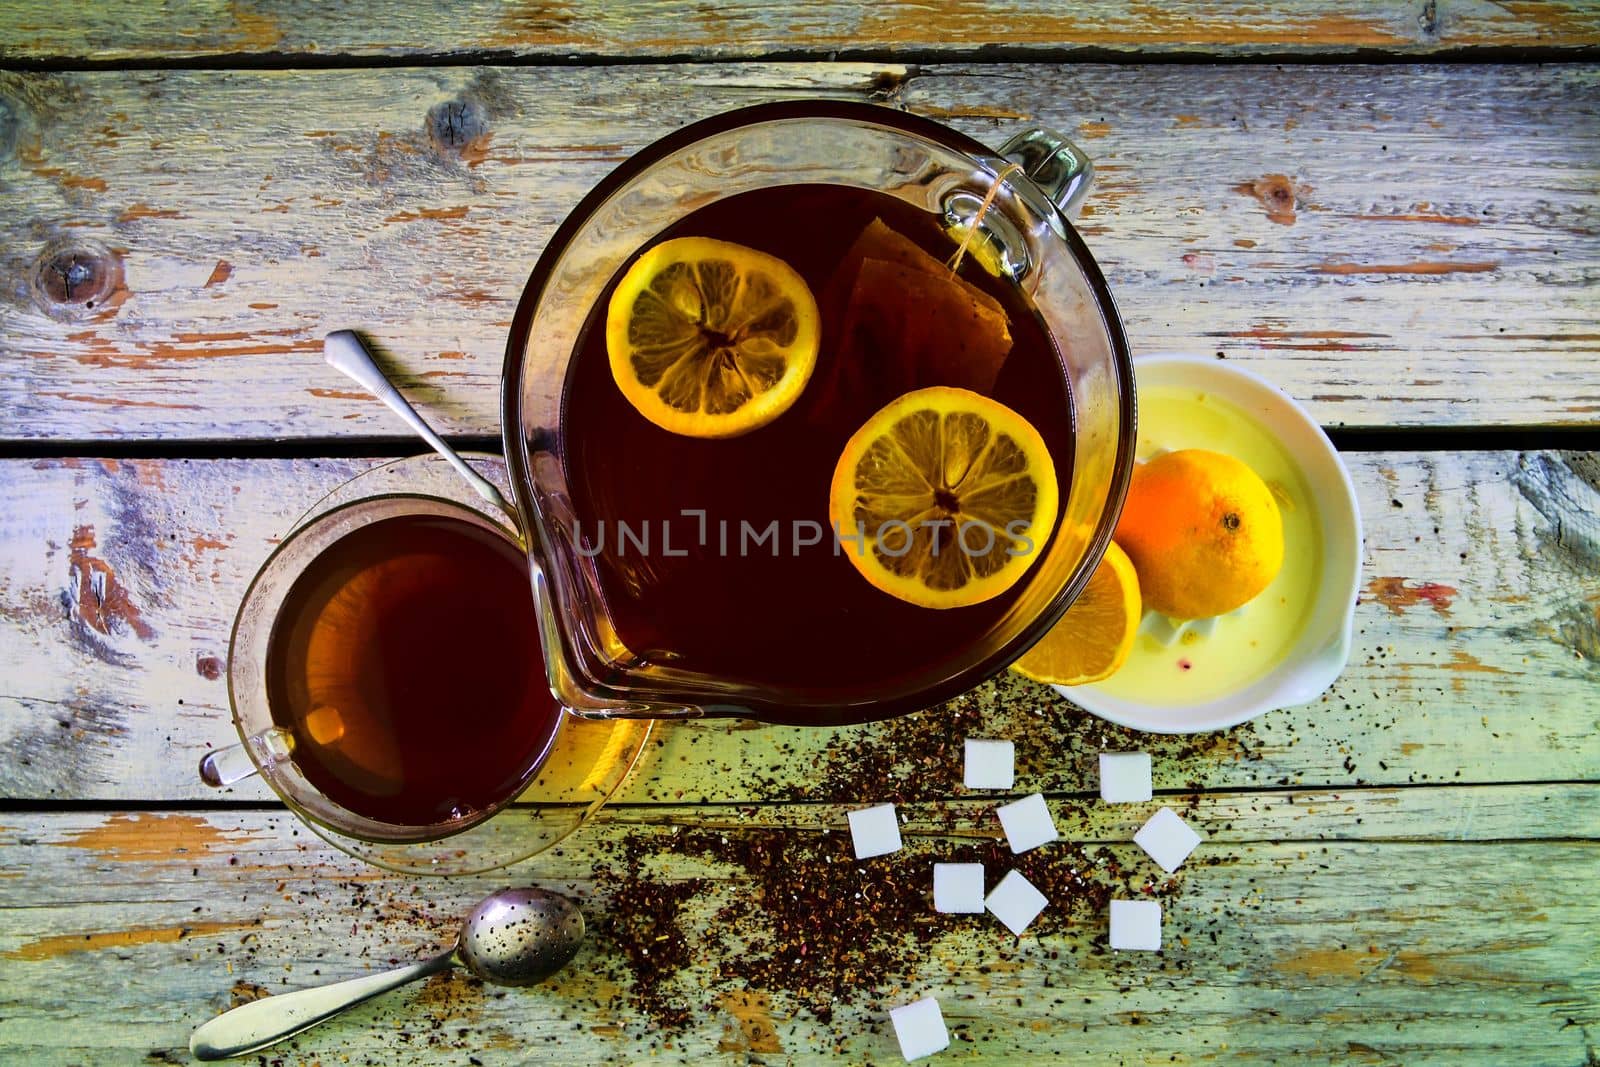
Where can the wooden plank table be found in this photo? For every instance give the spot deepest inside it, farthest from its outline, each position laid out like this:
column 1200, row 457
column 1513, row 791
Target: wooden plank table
column 1390, row 210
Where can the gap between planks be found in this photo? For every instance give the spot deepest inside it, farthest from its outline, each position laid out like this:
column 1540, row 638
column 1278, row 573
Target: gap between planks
column 1345, row 439
column 1565, row 812
column 270, row 62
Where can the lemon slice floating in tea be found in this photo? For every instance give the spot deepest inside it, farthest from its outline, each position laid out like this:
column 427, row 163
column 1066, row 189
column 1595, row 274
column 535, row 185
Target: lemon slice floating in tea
column 953, row 495
column 1095, row 636
column 709, row 338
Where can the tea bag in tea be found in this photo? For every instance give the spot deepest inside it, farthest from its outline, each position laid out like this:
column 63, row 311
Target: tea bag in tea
column 910, row 322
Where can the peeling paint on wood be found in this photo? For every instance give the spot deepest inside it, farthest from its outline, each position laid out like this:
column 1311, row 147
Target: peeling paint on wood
column 1405, row 268
column 220, row 273
column 356, row 173
column 1384, row 943
column 1396, row 594
column 145, row 211
column 1565, row 489
column 33, row 29
column 1465, row 568
column 46, row 948
column 752, row 1013
column 143, row 837
column 94, row 596
column 135, row 566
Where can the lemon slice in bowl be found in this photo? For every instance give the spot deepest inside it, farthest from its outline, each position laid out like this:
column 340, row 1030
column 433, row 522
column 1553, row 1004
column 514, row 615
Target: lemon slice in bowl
column 944, row 498
column 1093, row 639
column 711, row 339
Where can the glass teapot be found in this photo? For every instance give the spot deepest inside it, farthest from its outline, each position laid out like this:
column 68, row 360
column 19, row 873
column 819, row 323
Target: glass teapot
column 1018, row 200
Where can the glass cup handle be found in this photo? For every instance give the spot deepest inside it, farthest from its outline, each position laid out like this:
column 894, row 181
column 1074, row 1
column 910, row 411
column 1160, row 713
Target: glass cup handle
column 226, row 766
column 1057, row 166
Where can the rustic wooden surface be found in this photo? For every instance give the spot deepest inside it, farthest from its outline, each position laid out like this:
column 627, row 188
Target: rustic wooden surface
column 1399, row 872
column 1354, row 945
column 34, row 29
column 1450, row 652
column 1342, row 230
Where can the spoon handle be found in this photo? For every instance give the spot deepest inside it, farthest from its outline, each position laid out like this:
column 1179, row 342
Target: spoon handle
column 345, row 351
column 269, row 1020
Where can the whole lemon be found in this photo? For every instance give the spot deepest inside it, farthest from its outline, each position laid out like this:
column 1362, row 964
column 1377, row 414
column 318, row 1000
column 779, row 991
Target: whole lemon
column 1203, row 531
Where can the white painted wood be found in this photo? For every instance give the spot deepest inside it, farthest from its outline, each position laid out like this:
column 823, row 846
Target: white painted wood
column 32, row 29
column 1349, row 950
column 1398, row 246
column 1558, row 811
column 1475, row 654
column 1395, row 245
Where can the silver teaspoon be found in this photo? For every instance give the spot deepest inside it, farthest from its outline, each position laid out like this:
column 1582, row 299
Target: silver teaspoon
column 514, row 937
column 345, row 351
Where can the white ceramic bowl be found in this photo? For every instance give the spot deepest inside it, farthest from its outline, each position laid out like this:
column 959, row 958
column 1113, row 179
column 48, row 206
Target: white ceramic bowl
column 1323, row 647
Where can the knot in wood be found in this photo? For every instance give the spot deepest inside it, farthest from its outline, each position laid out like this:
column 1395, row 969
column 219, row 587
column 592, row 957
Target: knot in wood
column 888, row 84
column 1278, row 194
column 1428, row 19
column 72, row 277
column 457, row 127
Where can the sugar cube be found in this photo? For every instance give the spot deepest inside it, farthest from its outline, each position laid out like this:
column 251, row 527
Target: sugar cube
column 1136, row 924
column 990, row 765
column 1167, row 838
column 1015, row 902
column 1124, row 777
column 958, row 887
column 1027, row 823
column 919, row 1026
column 1164, row 630
column 874, row 831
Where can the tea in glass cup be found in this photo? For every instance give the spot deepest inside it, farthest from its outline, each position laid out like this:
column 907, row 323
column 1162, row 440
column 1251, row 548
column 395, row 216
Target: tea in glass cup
column 388, row 681
column 399, row 664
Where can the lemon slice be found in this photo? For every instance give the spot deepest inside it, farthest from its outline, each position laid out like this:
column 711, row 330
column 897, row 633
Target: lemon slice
column 709, row 338
column 1094, row 637
column 944, row 498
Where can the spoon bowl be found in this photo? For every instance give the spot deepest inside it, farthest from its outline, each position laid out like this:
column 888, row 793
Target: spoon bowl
column 520, row 937
column 515, row 937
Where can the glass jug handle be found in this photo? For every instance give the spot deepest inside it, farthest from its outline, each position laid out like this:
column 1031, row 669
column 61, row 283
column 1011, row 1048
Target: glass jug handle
column 1056, row 165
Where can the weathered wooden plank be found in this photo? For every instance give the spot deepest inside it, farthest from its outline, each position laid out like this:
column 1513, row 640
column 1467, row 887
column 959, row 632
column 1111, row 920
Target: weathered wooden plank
column 1557, row 811
column 1475, row 656
column 34, row 30
column 1356, row 951
column 1397, row 246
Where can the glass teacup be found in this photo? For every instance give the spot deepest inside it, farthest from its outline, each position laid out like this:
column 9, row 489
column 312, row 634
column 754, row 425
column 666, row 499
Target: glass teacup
column 389, row 791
